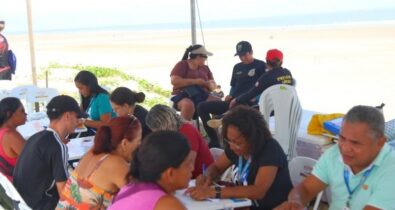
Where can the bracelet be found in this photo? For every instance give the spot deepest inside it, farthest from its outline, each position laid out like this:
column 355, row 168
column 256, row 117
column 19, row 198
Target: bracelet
column 217, row 191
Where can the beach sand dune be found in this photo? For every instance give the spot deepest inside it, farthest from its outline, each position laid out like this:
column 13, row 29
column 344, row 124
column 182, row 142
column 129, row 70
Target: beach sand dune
column 335, row 67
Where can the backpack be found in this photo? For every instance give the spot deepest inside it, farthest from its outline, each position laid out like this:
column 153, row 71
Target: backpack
column 11, row 61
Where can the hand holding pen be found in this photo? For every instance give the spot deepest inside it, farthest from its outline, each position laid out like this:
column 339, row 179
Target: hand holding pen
column 203, row 179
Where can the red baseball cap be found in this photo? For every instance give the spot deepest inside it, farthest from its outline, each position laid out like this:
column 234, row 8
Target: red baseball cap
column 274, row 54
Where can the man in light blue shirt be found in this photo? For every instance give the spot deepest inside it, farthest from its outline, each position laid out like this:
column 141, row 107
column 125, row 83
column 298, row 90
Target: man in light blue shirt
column 358, row 171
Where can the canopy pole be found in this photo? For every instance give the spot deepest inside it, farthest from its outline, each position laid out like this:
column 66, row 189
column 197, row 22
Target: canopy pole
column 31, row 42
column 193, row 22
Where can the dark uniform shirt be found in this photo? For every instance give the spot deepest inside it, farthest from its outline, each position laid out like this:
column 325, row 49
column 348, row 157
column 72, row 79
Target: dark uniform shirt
column 42, row 163
column 244, row 76
column 270, row 155
column 272, row 77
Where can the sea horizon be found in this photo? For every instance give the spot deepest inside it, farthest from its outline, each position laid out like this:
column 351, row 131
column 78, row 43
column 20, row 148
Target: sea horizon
column 334, row 19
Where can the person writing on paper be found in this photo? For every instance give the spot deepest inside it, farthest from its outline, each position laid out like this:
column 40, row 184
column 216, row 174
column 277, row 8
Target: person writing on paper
column 12, row 115
column 162, row 117
column 161, row 165
column 123, row 102
column 359, row 170
column 94, row 100
column 192, row 81
column 274, row 75
column 102, row 171
column 262, row 168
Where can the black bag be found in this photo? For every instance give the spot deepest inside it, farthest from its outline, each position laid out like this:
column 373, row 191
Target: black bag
column 196, row 93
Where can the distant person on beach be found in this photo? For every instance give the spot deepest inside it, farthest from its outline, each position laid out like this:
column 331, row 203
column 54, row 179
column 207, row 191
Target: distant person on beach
column 124, row 103
column 192, row 81
column 12, row 115
column 162, row 117
column 244, row 76
column 275, row 74
column 5, row 69
column 95, row 100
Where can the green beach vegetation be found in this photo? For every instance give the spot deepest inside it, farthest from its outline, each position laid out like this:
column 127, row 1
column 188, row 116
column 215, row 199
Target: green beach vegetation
column 109, row 78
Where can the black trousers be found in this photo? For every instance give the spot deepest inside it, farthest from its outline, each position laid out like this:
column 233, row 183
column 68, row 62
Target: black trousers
column 205, row 109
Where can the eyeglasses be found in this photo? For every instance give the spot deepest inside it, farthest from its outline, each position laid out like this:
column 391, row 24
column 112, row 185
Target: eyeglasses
column 237, row 145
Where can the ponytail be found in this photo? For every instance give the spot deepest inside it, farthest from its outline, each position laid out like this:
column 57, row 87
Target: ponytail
column 102, row 142
column 186, row 53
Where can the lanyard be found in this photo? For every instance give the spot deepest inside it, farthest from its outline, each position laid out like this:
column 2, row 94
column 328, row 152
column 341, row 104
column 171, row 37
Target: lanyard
column 346, row 175
column 243, row 171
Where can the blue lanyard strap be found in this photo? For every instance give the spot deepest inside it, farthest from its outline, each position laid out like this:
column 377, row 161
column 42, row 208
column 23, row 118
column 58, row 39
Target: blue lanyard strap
column 243, row 171
column 346, row 175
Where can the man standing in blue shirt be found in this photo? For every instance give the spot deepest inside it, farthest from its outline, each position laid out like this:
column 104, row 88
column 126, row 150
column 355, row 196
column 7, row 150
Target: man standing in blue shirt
column 359, row 170
column 5, row 69
column 244, row 76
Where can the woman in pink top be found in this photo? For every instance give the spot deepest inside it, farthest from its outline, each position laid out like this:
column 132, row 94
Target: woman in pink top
column 12, row 115
column 161, row 165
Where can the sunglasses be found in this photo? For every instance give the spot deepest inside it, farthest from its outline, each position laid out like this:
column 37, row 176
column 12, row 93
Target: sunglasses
column 203, row 56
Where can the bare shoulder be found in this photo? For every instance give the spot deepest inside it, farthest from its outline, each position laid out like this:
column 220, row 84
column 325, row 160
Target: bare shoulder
column 116, row 162
column 169, row 202
column 13, row 134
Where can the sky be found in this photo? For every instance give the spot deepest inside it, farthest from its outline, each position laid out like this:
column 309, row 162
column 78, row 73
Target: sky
column 66, row 14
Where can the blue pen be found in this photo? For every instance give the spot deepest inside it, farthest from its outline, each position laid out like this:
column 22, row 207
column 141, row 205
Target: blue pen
column 204, row 169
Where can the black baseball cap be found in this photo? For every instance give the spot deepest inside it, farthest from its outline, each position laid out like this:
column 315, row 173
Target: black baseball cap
column 243, row 47
column 61, row 104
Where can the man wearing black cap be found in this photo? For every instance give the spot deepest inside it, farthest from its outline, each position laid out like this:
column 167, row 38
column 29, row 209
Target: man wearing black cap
column 275, row 74
column 244, row 76
column 41, row 170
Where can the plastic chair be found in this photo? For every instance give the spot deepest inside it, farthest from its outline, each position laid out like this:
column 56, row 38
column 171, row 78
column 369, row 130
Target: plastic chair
column 299, row 168
column 40, row 95
column 216, row 152
column 16, row 199
column 283, row 100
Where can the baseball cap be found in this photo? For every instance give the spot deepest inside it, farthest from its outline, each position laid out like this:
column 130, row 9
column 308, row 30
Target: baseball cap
column 63, row 103
column 274, row 54
column 243, row 47
column 201, row 50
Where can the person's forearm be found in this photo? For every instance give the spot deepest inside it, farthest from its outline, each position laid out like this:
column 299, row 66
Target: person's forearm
column 251, row 192
column 180, row 82
column 299, row 195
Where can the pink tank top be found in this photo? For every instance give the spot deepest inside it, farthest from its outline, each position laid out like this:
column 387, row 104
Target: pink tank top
column 10, row 160
column 142, row 196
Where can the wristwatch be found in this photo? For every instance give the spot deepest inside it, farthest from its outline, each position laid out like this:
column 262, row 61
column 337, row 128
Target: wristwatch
column 217, row 191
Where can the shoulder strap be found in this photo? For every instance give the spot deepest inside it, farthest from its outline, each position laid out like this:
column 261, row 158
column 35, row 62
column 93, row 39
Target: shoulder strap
column 101, row 160
column 5, row 167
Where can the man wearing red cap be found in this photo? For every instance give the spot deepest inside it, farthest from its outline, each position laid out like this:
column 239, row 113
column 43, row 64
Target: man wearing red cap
column 275, row 75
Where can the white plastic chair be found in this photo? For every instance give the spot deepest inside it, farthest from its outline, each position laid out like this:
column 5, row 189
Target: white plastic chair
column 283, row 100
column 299, row 168
column 40, row 95
column 13, row 193
column 216, row 152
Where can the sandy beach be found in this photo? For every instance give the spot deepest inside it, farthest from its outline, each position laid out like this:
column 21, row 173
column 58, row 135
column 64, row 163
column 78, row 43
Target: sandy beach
column 335, row 67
